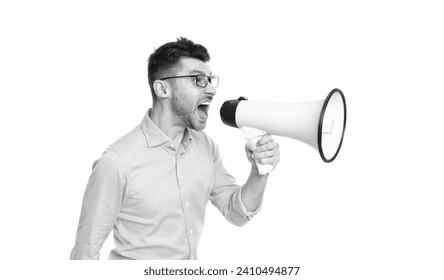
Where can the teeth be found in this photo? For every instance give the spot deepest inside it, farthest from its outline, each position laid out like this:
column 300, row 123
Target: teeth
column 206, row 103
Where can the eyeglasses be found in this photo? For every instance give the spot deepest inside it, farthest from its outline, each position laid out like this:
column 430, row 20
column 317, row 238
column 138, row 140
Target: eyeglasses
column 200, row 80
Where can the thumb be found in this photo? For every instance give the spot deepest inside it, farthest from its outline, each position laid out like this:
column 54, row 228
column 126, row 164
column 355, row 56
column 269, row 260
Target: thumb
column 250, row 146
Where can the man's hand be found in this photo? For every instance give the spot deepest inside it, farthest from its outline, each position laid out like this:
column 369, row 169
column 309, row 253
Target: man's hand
column 266, row 151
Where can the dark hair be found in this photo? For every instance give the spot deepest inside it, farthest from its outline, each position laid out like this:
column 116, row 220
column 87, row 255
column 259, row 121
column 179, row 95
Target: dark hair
column 165, row 59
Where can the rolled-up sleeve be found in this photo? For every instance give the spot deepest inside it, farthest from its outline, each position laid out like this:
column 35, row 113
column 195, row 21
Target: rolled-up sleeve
column 226, row 194
column 102, row 201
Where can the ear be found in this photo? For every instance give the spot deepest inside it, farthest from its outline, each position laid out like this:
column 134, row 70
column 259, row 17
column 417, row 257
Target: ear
column 161, row 89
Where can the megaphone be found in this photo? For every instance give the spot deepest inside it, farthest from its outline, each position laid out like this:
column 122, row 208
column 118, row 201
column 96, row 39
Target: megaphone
column 320, row 124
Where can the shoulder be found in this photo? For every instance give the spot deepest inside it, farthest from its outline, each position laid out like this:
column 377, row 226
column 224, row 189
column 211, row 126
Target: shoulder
column 128, row 143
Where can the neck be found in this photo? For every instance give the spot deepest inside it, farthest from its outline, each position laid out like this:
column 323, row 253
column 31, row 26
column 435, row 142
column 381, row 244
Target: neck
column 165, row 121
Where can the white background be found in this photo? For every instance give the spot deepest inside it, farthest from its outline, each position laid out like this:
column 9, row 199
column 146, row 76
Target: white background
column 73, row 80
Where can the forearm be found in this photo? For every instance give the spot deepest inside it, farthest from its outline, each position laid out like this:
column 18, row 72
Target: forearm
column 254, row 189
column 95, row 224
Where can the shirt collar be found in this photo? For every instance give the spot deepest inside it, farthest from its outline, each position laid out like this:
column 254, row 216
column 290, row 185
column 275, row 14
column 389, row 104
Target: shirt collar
column 154, row 136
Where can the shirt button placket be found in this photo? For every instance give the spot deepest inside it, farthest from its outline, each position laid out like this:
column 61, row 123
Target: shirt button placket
column 186, row 206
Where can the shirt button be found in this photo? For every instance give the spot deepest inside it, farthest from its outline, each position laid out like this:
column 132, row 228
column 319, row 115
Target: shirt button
column 187, row 205
column 191, row 231
column 181, row 176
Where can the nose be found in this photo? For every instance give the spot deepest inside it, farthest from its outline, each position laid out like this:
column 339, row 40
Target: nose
column 210, row 90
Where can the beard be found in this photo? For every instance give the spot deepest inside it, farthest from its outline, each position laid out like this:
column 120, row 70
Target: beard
column 193, row 116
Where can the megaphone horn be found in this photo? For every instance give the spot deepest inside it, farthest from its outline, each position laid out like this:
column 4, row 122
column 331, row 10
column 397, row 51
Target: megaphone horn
column 321, row 124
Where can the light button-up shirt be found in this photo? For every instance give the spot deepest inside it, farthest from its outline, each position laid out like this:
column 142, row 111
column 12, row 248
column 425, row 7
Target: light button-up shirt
column 153, row 196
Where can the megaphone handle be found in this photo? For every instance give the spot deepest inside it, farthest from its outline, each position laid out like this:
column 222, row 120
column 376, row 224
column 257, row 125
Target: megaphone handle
column 254, row 135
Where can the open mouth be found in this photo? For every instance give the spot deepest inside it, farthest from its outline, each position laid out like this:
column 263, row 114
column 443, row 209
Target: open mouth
column 204, row 107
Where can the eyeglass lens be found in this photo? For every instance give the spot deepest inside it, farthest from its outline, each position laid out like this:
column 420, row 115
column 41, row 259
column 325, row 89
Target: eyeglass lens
column 203, row 80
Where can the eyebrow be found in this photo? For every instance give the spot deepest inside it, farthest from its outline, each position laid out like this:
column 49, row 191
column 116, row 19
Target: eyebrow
column 200, row 72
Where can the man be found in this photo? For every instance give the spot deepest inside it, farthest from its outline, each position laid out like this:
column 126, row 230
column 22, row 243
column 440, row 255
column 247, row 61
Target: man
column 152, row 185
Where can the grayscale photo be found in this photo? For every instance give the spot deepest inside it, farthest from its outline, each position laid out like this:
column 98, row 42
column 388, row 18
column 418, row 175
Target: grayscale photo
column 235, row 139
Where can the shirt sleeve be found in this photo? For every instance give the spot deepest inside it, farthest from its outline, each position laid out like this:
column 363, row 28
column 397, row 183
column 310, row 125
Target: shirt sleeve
column 226, row 194
column 101, row 205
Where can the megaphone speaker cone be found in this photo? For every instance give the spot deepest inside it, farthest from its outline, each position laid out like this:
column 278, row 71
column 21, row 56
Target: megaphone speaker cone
column 332, row 125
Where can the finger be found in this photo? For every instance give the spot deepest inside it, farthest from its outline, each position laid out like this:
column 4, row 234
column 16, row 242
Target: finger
column 269, row 160
column 268, row 147
column 266, row 154
column 265, row 139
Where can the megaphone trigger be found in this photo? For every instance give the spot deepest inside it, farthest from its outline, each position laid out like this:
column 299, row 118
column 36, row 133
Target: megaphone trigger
column 253, row 133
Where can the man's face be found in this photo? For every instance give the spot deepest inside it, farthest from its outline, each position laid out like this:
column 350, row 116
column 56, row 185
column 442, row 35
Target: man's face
column 189, row 102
